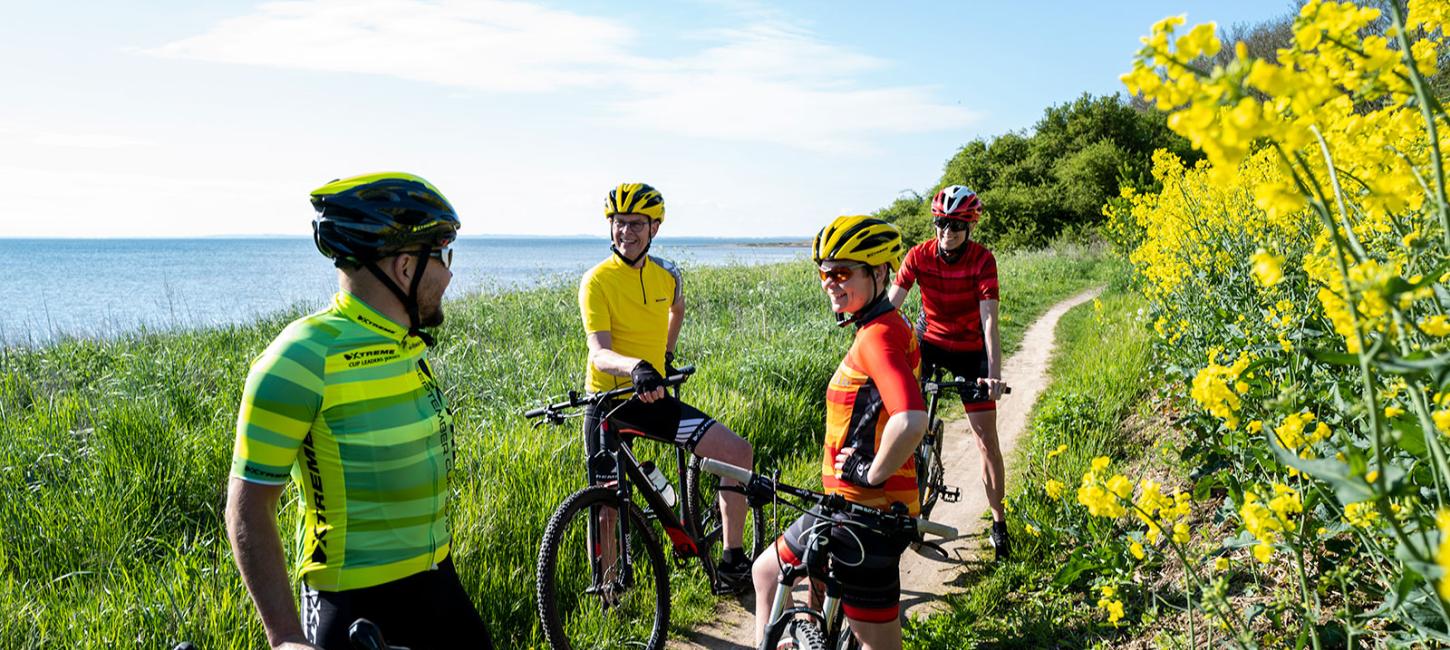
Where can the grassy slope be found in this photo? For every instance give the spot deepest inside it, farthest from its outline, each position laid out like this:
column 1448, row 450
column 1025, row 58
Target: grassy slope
column 115, row 455
column 1098, row 376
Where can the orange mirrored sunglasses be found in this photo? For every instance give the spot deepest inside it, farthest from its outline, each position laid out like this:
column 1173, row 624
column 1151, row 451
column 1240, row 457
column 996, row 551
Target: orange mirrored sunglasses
column 838, row 274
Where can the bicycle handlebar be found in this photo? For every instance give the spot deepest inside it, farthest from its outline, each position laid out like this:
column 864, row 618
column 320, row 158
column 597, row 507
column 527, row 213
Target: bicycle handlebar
column 932, row 386
column 365, row 635
column 576, row 400
column 758, row 482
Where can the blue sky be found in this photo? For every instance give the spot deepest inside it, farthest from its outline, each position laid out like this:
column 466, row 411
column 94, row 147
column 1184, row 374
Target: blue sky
column 755, row 119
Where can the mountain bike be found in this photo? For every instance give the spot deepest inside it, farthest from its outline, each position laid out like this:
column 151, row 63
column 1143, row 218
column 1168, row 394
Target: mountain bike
column 809, row 628
column 602, row 577
column 930, row 472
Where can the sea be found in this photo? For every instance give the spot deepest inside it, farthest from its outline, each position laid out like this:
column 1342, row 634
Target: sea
column 54, row 288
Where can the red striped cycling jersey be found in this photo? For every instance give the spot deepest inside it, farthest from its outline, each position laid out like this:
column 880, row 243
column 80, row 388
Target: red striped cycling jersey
column 876, row 380
column 951, row 294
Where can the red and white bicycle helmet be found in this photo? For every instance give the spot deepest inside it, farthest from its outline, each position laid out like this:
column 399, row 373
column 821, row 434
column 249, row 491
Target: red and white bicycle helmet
column 957, row 202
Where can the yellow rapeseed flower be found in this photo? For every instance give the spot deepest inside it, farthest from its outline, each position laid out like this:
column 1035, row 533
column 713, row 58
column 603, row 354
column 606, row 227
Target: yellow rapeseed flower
column 1437, row 325
column 1268, row 268
column 1221, row 564
column 1054, row 489
column 1263, row 552
column 1057, row 452
column 1361, row 515
column 1137, row 550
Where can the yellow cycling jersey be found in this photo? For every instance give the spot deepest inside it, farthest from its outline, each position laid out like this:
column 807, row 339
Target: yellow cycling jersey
column 633, row 305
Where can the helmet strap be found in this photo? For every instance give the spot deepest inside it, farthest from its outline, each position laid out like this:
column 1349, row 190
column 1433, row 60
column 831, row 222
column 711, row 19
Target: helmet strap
column 409, row 299
column 951, row 257
column 632, row 262
column 876, row 307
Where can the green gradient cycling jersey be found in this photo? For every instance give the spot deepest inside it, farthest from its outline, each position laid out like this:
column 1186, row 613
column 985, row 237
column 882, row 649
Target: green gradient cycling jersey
column 346, row 404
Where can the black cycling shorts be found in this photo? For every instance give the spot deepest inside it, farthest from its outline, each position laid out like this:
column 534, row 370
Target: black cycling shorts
column 424, row 610
column 666, row 420
column 867, row 564
column 971, row 364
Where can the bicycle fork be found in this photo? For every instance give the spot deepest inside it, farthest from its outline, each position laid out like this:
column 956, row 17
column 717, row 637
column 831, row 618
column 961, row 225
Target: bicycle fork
column 828, row 617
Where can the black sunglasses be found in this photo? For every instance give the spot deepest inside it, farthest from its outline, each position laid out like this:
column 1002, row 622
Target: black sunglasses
column 954, row 225
column 444, row 255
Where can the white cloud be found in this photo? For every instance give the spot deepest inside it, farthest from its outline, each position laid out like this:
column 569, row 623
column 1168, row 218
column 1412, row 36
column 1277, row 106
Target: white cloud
column 71, row 139
column 88, row 140
column 765, row 82
column 494, row 45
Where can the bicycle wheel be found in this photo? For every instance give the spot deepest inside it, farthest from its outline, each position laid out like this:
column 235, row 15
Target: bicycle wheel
column 930, row 475
column 805, row 634
column 588, row 601
column 703, row 508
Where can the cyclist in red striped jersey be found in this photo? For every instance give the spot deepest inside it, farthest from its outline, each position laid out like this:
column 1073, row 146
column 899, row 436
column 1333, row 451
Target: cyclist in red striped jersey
column 958, row 326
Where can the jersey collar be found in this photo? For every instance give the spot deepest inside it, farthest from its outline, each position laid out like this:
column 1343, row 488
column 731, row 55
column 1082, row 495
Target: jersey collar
column 359, row 312
column 874, row 311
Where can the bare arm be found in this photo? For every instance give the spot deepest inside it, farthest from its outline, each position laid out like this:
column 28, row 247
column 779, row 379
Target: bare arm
column 993, row 343
column 603, row 356
column 610, row 362
column 677, row 320
column 899, row 439
column 897, row 295
column 251, row 516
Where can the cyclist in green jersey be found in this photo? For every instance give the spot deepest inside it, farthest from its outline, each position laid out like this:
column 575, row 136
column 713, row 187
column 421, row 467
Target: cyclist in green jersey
column 345, row 403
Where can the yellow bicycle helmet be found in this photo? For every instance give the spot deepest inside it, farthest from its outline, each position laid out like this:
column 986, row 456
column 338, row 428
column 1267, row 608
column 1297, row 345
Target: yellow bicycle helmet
column 635, row 198
column 859, row 238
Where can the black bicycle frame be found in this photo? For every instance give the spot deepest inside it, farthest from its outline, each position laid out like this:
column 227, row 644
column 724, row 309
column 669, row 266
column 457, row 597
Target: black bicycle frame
column 685, row 540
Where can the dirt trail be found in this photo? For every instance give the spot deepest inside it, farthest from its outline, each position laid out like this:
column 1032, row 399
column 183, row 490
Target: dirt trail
column 926, row 576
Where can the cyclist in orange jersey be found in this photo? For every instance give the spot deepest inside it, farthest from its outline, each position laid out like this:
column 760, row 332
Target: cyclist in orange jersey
column 875, row 417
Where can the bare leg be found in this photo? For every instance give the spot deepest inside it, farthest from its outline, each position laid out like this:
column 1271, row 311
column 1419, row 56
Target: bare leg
column 725, row 446
column 877, row 636
column 994, row 474
column 766, row 575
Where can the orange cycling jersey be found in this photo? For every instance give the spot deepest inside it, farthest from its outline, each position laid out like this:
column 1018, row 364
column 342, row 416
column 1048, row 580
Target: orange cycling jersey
column 876, row 380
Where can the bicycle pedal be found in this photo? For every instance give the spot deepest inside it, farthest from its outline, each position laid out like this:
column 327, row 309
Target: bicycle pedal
column 951, row 495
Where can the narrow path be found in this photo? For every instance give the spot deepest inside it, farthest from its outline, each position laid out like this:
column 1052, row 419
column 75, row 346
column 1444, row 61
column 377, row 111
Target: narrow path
column 927, row 576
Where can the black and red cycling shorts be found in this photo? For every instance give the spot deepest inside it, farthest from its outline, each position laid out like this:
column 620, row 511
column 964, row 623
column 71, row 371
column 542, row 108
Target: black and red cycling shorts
column 866, row 562
column 971, row 364
column 665, row 420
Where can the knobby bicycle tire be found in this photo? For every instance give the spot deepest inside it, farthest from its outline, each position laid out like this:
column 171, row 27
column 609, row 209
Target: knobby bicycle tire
column 931, row 475
column 613, row 615
column 806, row 633
column 703, row 508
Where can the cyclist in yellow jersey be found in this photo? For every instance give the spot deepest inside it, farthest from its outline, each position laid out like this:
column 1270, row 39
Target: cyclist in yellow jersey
column 633, row 305
column 345, row 402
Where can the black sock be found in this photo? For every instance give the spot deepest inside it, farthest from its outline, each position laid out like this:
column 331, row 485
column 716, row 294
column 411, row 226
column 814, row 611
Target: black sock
column 732, row 555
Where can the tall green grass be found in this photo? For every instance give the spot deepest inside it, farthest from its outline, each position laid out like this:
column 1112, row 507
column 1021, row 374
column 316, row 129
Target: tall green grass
column 115, row 453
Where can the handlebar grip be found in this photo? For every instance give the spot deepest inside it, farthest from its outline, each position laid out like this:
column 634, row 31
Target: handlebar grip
column 365, row 634
column 940, row 530
column 726, row 470
column 533, row 413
